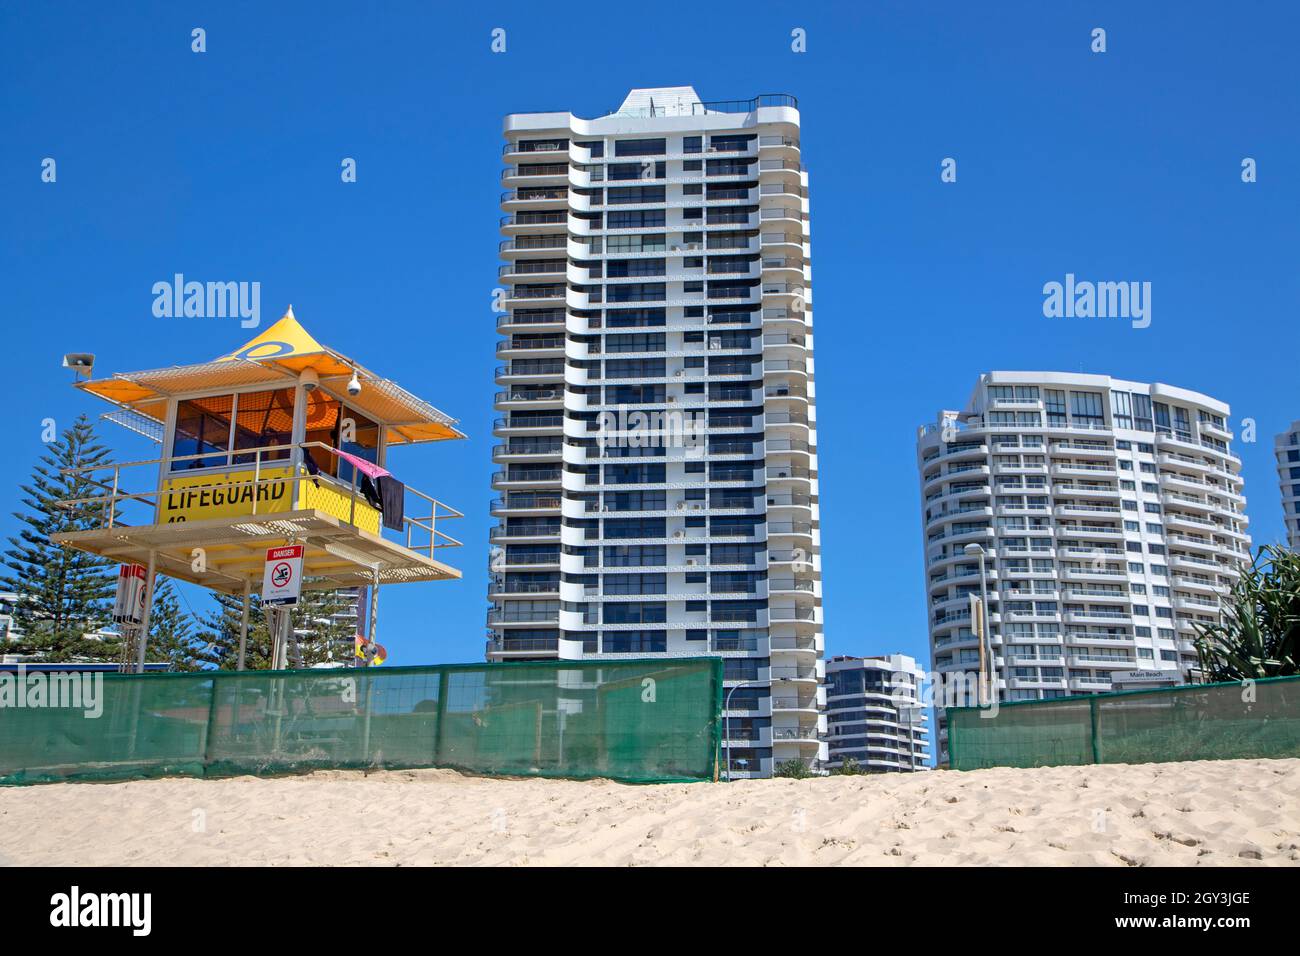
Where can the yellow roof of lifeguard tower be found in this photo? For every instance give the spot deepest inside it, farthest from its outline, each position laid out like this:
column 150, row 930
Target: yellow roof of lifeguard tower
column 278, row 356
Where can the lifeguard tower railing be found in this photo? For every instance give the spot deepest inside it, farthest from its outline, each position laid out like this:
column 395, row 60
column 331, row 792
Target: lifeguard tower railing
column 267, row 481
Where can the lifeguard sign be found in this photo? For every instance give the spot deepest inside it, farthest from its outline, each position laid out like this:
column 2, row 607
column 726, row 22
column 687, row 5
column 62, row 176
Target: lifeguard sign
column 279, row 441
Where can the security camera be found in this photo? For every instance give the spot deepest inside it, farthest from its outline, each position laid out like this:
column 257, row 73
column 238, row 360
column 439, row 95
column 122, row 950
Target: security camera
column 354, row 385
column 309, row 379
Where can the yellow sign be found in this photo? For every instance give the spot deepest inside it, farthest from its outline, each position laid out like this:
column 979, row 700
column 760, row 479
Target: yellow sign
column 224, row 495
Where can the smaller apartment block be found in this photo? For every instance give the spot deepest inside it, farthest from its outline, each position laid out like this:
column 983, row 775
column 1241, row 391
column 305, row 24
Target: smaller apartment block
column 1287, row 449
column 874, row 713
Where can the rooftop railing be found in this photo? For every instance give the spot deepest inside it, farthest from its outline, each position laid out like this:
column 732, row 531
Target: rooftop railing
column 763, row 100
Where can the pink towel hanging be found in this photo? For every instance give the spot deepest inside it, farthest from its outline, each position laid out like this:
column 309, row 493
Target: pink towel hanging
column 368, row 468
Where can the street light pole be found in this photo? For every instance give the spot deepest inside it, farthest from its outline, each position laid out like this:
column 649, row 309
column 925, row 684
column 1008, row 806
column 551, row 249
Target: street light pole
column 976, row 549
column 726, row 719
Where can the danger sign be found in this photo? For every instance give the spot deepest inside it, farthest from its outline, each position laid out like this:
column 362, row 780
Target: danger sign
column 282, row 578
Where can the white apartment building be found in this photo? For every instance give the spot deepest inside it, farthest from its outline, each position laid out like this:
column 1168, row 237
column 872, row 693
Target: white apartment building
column 657, row 491
column 875, row 713
column 1287, row 449
column 8, row 600
column 1111, row 516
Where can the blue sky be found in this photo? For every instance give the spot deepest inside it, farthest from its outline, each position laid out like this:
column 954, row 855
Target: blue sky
column 225, row 166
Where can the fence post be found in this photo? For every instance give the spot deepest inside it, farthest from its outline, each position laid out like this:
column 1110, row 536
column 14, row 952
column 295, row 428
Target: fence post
column 365, row 720
column 1096, row 731
column 441, row 717
column 212, row 723
column 718, row 674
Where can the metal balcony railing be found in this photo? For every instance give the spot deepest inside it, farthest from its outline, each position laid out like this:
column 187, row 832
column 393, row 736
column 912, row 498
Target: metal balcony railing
column 111, row 497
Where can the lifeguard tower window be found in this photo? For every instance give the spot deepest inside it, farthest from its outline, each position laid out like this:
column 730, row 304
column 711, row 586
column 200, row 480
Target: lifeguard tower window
column 333, row 423
column 222, row 424
column 202, row 426
column 263, row 419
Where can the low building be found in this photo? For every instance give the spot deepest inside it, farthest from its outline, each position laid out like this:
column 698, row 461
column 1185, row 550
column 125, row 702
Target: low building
column 874, row 713
column 8, row 600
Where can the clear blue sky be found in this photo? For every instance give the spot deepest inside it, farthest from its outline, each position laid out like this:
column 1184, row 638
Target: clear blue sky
column 225, row 166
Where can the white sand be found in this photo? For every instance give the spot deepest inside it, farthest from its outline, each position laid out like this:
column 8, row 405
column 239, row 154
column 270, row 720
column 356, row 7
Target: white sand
column 1208, row 813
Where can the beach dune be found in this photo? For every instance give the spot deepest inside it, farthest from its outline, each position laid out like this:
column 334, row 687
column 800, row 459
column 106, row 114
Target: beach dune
column 1216, row 813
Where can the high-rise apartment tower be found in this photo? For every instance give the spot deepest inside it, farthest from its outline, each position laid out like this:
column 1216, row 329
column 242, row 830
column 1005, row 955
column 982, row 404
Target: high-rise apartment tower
column 657, row 485
column 1110, row 518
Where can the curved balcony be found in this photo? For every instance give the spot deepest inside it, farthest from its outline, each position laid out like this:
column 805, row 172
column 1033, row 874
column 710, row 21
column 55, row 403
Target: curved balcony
column 537, row 221
column 545, row 320
column 536, row 198
column 536, row 174
column 527, row 477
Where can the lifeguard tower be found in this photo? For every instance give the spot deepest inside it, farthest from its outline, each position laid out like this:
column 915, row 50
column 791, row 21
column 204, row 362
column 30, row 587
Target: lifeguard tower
column 284, row 441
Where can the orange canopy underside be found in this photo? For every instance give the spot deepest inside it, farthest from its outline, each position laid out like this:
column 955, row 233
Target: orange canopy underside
column 277, row 357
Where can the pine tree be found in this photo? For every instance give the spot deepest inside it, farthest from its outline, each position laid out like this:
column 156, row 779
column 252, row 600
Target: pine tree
column 173, row 637
column 62, row 593
column 223, row 625
column 325, row 624
column 320, row 622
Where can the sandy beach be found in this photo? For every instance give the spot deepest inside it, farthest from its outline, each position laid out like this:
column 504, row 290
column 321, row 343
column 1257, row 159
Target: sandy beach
column 1215, row 813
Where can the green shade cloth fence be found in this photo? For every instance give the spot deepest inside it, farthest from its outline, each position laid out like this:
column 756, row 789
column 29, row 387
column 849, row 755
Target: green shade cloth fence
column 630, row 720
column 1196, row 722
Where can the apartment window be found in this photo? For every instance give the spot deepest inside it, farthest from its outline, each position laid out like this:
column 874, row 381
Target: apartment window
column 633, row 642
column 1085, row 408
column 625, row 268
column 640, row 147
column 1008, row 393
column 1162, row 418
column 635, row 218
column 648, row 242
column 636, row 292
column 1142, row 412
column 636, row 584
column 633, row 318
column 634, row 195
column 692, row 144
column 1122, row 410
column 1054, row 403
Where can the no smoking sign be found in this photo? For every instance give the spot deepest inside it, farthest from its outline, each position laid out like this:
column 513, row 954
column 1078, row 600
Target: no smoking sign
column 282, row 578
